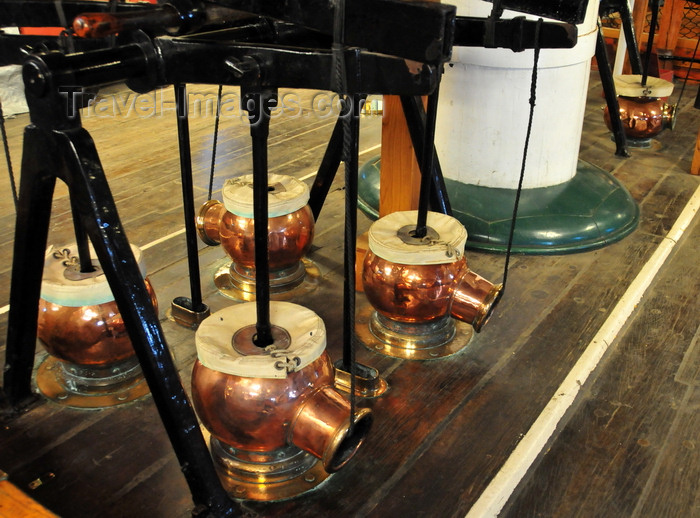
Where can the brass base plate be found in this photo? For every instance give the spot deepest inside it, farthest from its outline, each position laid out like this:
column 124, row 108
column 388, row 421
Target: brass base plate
column 266, row 476
column 408, row 349
column 51, row 384
column 245, row 292
column 274, row 491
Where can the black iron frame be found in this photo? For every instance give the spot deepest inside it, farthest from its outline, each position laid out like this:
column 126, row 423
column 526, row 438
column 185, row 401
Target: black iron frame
column 257, row 57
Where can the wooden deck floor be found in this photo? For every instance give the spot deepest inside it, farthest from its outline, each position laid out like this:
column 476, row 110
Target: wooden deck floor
column 628, row 446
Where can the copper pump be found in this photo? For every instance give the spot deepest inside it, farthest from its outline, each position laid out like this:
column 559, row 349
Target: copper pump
column 643, row 117
column 290, row 231
column 272, row 411
column 416, row 284
column 423, row 293
column 644, row 112
column 91, row 361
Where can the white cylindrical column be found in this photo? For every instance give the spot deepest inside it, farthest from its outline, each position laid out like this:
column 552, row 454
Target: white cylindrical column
column 484, row 109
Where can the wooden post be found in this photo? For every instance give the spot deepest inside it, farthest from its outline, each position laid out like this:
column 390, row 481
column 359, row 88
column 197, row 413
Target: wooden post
column 670, row 25
column 695, row 165
column 399, row 183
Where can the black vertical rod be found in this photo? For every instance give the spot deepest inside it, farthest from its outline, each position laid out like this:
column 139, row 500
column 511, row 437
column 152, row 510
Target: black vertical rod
column 183, row 139
column 81, row 240
column 630, row 37
column 351, row 120
column 606, row 78
column 415, row 121
column 327, row 170
column 36, row 187
column 259, row 132
column 426, row 166
column 650, row 40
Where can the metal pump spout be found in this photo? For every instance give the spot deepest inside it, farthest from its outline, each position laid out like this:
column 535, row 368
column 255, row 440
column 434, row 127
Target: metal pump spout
column 208, row 221
column 322, row 427
column 475, row 299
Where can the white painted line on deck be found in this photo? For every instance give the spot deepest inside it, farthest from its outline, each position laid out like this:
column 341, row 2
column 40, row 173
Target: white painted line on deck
column 496, row 494
column 163, row 239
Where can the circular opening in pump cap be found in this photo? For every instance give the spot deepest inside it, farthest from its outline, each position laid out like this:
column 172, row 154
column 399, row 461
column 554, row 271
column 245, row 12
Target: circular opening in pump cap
column 285, row 195
column 444, row 242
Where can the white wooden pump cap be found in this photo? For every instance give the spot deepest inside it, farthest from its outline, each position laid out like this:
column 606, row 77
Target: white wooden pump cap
column 444, row 242
column 215, row 350
column 630, row 85
column 66, row 286
column 285, row 195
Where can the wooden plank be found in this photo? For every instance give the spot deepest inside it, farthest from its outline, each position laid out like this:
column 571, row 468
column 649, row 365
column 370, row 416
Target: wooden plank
column 689, row 370
column 695, row 165
column 611, row 454
column 467, row 450
column 16, row 504
column 674, row 488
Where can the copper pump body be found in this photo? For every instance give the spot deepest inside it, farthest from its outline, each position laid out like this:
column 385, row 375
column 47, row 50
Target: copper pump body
column 643, row 117
column 425, row 293
column 93, row 335
column 264, row 415
column 289, row 236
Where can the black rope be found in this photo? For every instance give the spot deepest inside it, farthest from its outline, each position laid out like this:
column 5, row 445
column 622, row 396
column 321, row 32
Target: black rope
column 216, row 138
column 347, row 113
column 533, row 88
column 6, row 144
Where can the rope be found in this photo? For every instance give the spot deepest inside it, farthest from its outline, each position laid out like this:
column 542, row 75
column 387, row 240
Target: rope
column 340, row 86
column 216, row 138
column 6, row 144
column 533, row 89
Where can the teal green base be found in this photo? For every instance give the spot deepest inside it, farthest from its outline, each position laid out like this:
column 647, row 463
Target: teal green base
column 589, row 211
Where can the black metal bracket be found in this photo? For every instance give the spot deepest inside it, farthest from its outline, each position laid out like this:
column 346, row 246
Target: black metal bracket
column 404, row 58
column 57, row 147
column 516, row 34
column 606, row 78
column 571, row 11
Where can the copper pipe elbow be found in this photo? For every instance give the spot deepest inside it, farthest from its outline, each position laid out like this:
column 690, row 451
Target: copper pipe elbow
column 208, row 221
column 474, row 300
column 322, row 427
